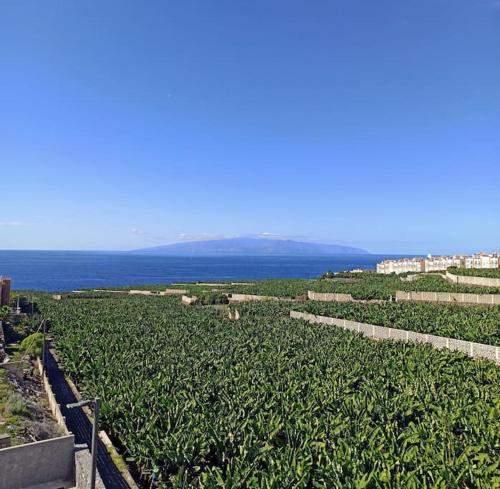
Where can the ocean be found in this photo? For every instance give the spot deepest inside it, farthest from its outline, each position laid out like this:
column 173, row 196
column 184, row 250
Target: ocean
column 70, row 270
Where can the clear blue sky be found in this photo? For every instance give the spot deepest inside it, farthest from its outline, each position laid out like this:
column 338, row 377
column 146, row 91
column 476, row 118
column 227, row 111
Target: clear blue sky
column 129, row 124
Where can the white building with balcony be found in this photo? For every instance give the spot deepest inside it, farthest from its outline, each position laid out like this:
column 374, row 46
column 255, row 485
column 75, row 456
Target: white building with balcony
column 439, row 263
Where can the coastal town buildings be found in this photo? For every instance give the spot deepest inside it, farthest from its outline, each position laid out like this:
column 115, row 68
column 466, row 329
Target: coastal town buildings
column 439, row 263
column 401, row 266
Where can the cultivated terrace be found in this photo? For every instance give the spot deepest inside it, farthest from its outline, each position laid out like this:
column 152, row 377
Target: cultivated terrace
column 195, row 399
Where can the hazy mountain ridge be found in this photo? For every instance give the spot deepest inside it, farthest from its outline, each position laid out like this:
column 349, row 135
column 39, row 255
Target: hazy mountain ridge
column 251, row 246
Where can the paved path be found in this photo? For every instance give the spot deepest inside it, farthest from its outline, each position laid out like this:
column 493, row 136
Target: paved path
column 78, row 423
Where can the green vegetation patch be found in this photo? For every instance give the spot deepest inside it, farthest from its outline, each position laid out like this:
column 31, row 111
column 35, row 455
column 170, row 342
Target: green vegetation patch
column 267, row 401
column 476, row 272
column 33, row 344
column 366, row 285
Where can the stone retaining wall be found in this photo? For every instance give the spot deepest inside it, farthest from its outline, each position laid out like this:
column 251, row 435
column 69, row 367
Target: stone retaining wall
column 449, row 297
column 328, row 297
column 5, row 441
column 471, row 280
column 381, row 332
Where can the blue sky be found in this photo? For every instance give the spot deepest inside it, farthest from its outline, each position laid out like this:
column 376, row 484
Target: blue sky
column 130, row 124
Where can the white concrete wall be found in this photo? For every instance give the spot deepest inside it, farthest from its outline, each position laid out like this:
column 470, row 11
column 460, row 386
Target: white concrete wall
column 328, row 297
column 189, row 300
column 174, row 292
column 38, row 463
column 470, row 280
column 249, row 297
column 449, row 297
column 381, row 332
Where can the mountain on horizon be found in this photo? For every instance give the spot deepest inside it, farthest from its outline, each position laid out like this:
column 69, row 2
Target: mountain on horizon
column 251, row 246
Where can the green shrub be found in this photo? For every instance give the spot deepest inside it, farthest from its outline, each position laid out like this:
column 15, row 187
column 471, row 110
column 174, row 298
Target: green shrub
column 209, row 298
column 15, row 404
column 4, row 312
column 32, row 344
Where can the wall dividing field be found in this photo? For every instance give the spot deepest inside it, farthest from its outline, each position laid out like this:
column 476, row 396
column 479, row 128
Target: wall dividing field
column 449, row 297
column 471, row 280
column 381, row 332
column 249, row 297
column 187, row 300
column 328, row 297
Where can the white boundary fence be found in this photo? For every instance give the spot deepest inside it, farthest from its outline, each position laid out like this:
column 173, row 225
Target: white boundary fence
column 449, row 297
column 472, row 280
column 250, row 297
column 381, row 332
column 328, row 297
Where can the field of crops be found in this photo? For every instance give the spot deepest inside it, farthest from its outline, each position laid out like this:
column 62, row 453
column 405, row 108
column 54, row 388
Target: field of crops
column 476, row 272
column 367, row 286
column 271, row 402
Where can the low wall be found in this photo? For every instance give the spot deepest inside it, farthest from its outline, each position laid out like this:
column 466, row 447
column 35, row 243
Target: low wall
column 328, row 297
column 5, row 441
column 470, row 280
column 381, row 332
column 249, row 297
column 186, row 300
column 83, row 467
column 41, row 462
column 140, row 292
column 174, row 292
column 449, row 297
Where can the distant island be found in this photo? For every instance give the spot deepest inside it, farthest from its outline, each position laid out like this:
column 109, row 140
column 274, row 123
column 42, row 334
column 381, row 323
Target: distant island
column 251, row 246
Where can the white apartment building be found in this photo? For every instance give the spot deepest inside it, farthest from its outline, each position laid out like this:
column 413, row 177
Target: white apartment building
column 482, row 260
column 439, row 263
column 401, row 266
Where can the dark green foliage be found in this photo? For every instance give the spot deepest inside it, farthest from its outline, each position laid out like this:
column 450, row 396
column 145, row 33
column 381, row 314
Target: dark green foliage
column 366, row 285
column 210, row 298
column 270, row 402
column 476, row 272
column 32, row 344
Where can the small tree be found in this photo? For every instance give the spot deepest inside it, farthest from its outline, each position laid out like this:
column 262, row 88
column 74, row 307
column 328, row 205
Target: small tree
column 4, row 312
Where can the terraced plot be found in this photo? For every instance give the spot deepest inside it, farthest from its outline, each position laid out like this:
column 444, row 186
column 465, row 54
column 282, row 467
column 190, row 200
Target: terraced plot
column 272, row 402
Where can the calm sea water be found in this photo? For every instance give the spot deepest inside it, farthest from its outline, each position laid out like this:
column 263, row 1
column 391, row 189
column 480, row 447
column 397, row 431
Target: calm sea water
column 69, row 270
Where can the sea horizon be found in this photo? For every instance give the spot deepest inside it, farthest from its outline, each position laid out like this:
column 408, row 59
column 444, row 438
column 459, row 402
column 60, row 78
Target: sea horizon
column 66, row 270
